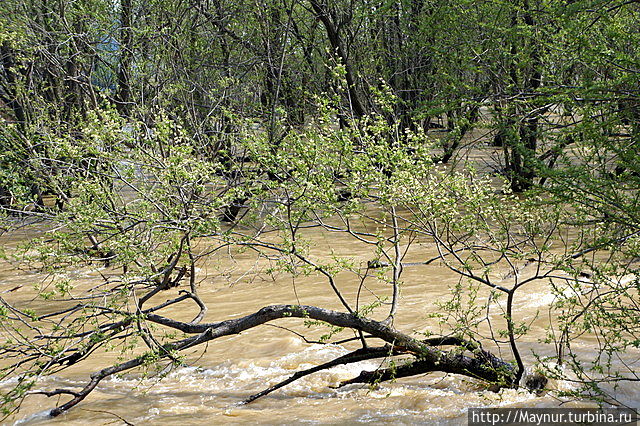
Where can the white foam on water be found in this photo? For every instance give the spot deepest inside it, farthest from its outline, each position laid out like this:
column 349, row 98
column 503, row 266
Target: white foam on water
column 41, row 416
column 10, row 381
column 216, row 391
column 247, row 377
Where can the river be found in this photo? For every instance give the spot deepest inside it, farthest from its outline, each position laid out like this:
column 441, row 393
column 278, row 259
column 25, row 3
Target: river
column 208, row 389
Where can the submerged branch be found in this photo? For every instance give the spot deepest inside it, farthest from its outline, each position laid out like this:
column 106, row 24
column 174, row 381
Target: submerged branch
column 483, row 366
column 501, row 374
column 362, row 354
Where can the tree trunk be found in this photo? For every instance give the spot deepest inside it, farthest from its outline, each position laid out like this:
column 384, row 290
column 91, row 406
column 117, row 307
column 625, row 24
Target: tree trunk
column 123, row 91
column 336, row 43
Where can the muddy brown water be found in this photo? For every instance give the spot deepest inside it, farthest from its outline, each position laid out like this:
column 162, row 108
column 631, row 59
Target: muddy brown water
column 218, row 377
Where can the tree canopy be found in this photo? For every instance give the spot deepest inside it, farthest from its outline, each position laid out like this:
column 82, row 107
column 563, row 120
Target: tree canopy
column 146, row 139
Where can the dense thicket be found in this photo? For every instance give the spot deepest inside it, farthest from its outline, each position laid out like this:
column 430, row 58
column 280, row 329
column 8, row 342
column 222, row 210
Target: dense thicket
column 138, row 128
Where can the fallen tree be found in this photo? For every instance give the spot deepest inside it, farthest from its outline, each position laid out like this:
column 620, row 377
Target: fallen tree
column 146, row 221
column 119, row 309
column 426, row 355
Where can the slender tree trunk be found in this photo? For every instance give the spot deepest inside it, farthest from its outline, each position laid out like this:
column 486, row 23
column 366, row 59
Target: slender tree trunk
column 8, row 64
column 337, row 47
column 520, row 144
column 123, row 91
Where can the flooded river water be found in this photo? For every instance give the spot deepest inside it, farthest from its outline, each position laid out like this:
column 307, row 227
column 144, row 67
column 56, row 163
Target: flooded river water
column 235, row 367
column 208, row 389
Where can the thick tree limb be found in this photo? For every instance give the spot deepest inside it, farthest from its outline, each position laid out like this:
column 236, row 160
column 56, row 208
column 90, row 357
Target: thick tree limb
column 429, row 358
column 212, row 331
column 501, row 374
